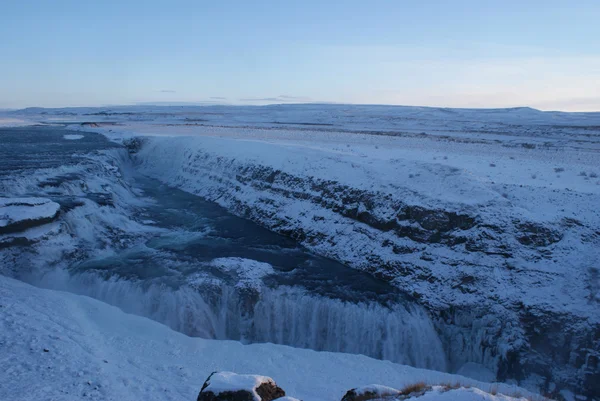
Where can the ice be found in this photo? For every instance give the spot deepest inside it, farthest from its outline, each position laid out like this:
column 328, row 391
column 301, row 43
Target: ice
column 249, row 272
column 97, row 350
column 15, row 213
column 279, row 315
column 73, row 136
column 476, row 371
column 298, row 169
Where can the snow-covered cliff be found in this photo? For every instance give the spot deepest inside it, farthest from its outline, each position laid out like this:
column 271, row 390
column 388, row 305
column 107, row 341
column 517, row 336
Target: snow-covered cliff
column 502, row 260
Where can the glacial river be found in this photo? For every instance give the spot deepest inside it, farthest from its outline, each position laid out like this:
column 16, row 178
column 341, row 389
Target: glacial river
column 197, row 267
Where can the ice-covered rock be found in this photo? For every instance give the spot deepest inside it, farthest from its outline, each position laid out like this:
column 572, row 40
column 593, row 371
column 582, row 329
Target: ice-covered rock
column 371, row 392
column 20, row 214
column 421, row 391
column 248, row 272
column 229, row 386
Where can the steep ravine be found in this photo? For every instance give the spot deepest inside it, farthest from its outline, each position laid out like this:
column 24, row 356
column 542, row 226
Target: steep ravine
column 479, row 270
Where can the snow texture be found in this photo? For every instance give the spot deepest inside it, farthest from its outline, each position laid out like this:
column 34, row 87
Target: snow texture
column 14, row 211
column 228, row 381
column 488, row 217
column 376, row 389
column 249, row 272
column 73, row 136
column 525, row 242
column 61, row 346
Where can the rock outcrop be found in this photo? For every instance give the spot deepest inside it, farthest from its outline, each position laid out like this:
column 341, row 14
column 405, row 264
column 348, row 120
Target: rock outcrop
column 229, row 386
column 20, row 214
column 373, row 392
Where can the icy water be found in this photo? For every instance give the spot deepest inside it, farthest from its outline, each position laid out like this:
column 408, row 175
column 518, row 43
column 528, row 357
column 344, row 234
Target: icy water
column 202, row 231
column 30, row 148
column 171, row 276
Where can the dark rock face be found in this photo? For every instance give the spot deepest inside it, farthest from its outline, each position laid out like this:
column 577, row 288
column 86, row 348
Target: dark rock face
column 133, row 145
column 267, row 391
column 532, row 234
column 563, row 346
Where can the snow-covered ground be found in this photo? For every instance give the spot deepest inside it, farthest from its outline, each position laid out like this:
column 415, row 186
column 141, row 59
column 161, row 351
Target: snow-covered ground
column 19, row 211
column 489, row 218
column 60, row 346
column 13, row 122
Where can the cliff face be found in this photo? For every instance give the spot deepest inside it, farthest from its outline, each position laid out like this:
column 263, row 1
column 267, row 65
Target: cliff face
column 506, row 269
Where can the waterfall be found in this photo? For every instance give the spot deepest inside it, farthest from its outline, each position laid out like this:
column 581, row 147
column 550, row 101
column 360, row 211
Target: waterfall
column 283, row 315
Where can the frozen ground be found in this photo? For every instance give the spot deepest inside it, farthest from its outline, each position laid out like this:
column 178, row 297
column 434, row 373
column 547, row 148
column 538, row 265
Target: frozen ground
column 60, row 346
column 15, row 212
column 489, row 218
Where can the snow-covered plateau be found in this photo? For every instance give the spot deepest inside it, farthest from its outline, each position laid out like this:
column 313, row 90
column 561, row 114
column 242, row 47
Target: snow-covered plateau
column 487, row 223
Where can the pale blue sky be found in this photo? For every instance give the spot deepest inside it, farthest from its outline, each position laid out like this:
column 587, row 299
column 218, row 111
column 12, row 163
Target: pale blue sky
column 462, row 53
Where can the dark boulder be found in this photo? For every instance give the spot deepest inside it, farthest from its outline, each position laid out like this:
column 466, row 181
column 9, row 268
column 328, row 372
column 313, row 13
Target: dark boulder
column 533, row 234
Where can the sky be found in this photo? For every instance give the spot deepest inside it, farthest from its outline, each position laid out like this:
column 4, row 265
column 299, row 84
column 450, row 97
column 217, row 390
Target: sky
column 460, row 53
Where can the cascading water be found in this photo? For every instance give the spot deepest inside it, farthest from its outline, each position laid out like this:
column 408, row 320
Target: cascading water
column 168, row 255
column 282, row 315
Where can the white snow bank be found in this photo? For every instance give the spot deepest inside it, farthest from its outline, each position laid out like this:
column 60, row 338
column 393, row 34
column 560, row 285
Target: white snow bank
column 58, row 345
column 14, row 122
column 467, row 394
column 72, row 136
column 249, row 272
column 375, row 392
column 27, row 201
column 18, row 210
column 228, row 381
column 376, row 389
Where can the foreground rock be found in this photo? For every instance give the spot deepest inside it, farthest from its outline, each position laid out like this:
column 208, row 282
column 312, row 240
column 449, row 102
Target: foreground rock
column 228, row 386
column 423, row 392
column 20, row 214
column 372, row 392
column 376, row 392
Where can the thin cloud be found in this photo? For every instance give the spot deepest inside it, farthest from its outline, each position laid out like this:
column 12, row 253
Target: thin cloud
column 217, row 98
column 292, row 97
column 167, row 91
column 280, row 98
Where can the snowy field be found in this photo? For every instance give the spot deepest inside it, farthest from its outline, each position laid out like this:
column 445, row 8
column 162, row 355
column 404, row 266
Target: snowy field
column 60, row 346
column 489, row 219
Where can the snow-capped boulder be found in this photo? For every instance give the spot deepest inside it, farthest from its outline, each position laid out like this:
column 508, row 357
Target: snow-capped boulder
column 229, row 386
column 371, row 392
column 423, row 392
column 20, row 214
